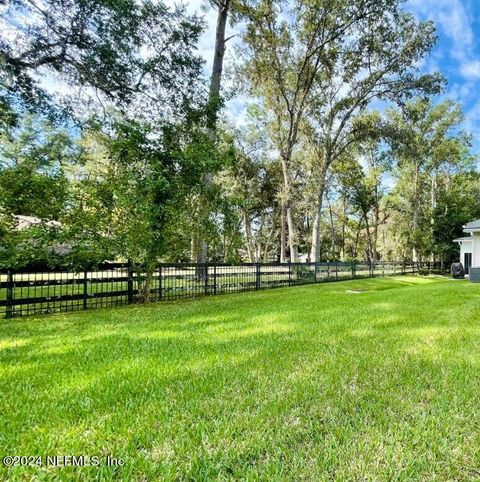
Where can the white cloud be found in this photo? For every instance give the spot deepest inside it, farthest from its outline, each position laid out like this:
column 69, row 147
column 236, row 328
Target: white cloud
column 470, row 69
column 451, row 16
column 460, row 92
column 237, row 109
column 454, row 21
column 472, row 121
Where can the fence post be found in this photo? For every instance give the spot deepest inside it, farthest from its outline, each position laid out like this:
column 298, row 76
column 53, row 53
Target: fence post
column 289, row 273
column 352, row 267
column 257, row 277
column 160, row 284
column 85, row 288
column 206, row 279
column 9, row 308
column 130, row 284
column 315, row 272
column 214, row 279
column 336, row 269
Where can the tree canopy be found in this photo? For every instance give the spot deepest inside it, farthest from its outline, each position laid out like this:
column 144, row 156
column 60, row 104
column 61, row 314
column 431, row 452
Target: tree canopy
column 123, row 53
column 118, row 143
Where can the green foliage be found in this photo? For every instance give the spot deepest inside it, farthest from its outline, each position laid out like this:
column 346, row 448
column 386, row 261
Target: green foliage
column 32, row 162
column 126, row 52
column 317, row 66
column 34, row 247
column 132, row 200
column 458, row 203
column 431, row 154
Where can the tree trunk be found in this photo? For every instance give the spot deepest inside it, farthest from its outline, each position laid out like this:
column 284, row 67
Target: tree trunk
column 415, row 214
column 283, row 235
column 214, row 98
column 376, row 221
column 249, row 236
column 292, row 235
column 268, row 242
column 433, row 207
column 217, row 68
column 315, row 249
column 147, row 283
column 332, row 228
column 288, row 206
column 357, row 238
column 194, row 247
column 369, row 238
column 258, row 242
column 344, row 225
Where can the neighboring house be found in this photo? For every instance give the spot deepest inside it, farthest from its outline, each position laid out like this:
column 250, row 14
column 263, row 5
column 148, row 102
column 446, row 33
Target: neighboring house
column 24, row 222
column 470, row 247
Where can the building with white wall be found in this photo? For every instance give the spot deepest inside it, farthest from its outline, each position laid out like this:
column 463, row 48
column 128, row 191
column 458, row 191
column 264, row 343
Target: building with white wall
column 470, row 246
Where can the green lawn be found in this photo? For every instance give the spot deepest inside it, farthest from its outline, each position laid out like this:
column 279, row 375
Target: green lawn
column 304, row 383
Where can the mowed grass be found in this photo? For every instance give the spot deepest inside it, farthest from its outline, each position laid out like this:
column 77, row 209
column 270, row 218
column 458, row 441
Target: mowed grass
column 303, row 383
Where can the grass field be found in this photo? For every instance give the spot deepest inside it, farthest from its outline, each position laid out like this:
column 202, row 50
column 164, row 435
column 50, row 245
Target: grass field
column 305, row 383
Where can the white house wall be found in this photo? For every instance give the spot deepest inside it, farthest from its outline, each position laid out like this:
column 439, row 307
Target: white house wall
column 476, row 250
column 465, row 247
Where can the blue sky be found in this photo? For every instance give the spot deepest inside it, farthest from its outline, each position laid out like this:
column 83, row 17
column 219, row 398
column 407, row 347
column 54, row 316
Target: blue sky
column 456, row 55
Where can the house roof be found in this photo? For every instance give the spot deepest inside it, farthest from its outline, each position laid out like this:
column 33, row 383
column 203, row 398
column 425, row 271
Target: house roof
column 465, row 238
column 473, row 225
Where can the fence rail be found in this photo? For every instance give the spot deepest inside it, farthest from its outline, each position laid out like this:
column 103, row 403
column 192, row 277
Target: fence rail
column 27, row 292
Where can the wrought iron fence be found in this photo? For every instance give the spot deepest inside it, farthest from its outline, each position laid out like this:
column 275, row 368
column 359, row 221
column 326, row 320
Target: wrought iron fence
column 41, row 292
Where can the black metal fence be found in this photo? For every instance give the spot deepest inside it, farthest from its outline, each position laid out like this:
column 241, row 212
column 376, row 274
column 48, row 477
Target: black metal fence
column 26, row 293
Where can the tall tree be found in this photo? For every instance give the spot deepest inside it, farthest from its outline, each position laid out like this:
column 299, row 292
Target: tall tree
column 199, row 241
column 129, row 53
column 360, row 173
column 250, row 183
column 223, row 8
column 376, row 61
column 457, row 203
column 425, row 138
column 289, row 47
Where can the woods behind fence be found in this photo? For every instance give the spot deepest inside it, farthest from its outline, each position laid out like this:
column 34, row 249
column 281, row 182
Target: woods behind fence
column 37, row 292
